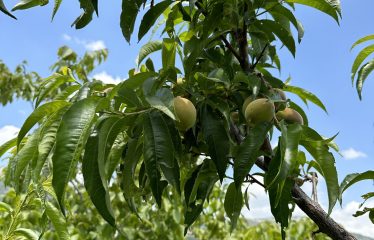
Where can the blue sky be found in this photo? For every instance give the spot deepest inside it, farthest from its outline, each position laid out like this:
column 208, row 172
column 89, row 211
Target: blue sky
column 322, row 65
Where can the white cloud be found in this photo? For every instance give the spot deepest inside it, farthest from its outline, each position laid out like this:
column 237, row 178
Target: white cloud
column 88, row 45
column 106, row 78
column 361, row 225
column 94, row 45
column 66, row 37
column 8, row 132
column 351, row 153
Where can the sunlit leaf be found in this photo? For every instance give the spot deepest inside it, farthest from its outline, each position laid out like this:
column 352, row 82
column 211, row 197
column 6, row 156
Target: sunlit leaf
column 151, row 16
column 147, row 49
column 71, row 137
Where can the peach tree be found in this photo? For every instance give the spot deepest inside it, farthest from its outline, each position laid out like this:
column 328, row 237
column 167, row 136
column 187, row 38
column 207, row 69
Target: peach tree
column 182, row 128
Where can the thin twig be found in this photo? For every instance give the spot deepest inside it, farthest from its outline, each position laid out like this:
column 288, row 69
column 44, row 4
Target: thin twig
column 259, row 57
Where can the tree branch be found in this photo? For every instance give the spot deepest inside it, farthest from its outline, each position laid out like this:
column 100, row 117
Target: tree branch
column 311, row 208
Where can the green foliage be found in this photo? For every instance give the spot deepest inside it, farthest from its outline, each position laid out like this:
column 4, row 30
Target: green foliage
column 17, row 84
column 124, row 136
column 362, row 70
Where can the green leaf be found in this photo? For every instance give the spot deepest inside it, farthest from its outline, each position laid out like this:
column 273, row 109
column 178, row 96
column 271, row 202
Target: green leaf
column 86, row 17
column 5, row 10
column 322, row 5
column 326, row 161
column 365, row 210
column 280, row 205
column 115, row 155
column 136, row 80
column 72, row 135
column 362, row 55
column 158, row 153
column 97, row 191
column 233, row 203
column 147, row 49
column 364, row 39
column 197, row 190
column 52, row 83
column 38, row 114
column 95, row 6
column 216, row 138
column 291, row 135
column 47, row 139
column 6, row 207
column 130, row 9
column 131, row 159
column 249, row 151
column 26, row 233
column 305, row 95
column 281, row 32
column 8, row 145
column 56, row 7
column 58, row 221
column 151, row 16
column 169, row 47
column 162, row 100
column 27, row 154
column 353, row 178
column 363, row 73
column 25, row 4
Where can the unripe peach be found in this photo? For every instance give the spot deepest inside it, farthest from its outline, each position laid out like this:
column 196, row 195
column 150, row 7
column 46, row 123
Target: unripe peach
column 185, row 112
column 290, row 116
column 259, row 110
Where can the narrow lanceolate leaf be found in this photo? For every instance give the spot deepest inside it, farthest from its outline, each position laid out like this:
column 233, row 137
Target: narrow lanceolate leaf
column 233, row 203
column 282, row 33
column 72, row 134
column 58, row 221
column 216, row 138
column 93, row 183
column 290, row 138
column 249, row 151
column 151, row 16
column 130, row 9
column 56, row 7
column 147, row 49
column 280, row 206
column 197, row 189
column 158, row 153
column 26, row 233
column 363, row 73
column 169, row 47
column 322, row 5
column 47, row 140
column 305, row 95
column 5, row 10
column 326, row 164
column 27, row 154
column 25, row 4
column 38, row 114
column 364, row 39
column 108, row 131
column 362, row 55
column 85, row 18
column 132, row 157
column 354, row 178
column 7, row 146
